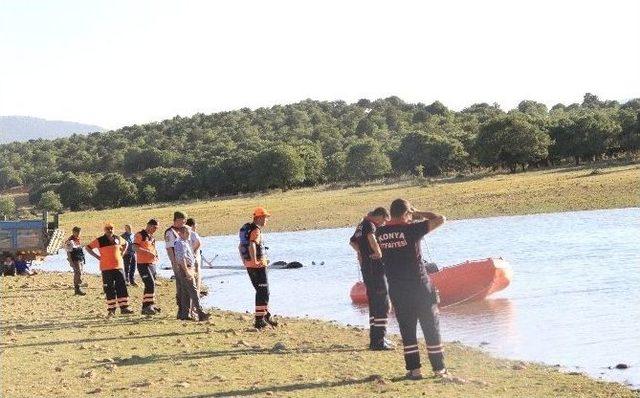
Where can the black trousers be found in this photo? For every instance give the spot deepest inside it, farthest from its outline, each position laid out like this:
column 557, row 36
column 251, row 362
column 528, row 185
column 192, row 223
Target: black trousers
column 415, row 301
column 376, row 283
column 115, row 289
column 259, row 281
column 148, row 275
column 129, row 267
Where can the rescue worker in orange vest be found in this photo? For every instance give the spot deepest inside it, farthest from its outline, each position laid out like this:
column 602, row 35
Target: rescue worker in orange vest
column 144, row 245
column 111, row 246
column 252, row 253
column 365, row 244
column 413, row 296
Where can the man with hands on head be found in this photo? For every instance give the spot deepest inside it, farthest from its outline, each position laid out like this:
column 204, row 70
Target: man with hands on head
column 413, row 296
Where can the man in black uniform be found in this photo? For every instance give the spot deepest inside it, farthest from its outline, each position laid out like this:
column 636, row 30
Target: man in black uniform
column 365, row 244
column 413, row 296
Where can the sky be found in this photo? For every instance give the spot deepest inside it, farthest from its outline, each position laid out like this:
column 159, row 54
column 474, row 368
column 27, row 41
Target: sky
column 115, row 63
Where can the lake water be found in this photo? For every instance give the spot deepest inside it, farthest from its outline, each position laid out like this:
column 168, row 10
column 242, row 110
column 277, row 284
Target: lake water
column 573, row 301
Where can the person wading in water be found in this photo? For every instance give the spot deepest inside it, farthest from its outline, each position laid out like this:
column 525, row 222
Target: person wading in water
column 413, row 296
column 365, row 244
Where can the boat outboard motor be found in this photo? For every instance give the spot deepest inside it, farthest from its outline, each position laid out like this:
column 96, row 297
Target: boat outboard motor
column 431, row 268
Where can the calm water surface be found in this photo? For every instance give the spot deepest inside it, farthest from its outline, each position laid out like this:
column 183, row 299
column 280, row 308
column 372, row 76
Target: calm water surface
column 573, row 301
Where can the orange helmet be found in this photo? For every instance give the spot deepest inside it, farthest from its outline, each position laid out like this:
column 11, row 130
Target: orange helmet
column 260, row 211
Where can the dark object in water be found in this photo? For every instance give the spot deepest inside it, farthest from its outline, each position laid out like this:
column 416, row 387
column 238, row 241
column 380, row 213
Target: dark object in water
column 622, row 366
column 285, row 265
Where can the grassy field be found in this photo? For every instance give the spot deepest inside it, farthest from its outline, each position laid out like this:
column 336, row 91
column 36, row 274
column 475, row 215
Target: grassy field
column 57, row 344
column 502, row 194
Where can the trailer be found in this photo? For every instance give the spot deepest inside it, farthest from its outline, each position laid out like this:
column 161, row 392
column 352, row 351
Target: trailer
column 33, row 239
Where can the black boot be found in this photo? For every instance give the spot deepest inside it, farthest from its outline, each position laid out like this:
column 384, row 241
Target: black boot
column 270, row 320
column 260, row 323
column 79, row 291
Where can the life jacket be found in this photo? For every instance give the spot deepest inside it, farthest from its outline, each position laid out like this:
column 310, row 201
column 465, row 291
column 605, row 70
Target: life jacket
column 245, row 234
column 77, row 253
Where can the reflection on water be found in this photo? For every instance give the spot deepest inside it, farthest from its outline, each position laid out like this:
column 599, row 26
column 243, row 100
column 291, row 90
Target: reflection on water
column 573, row 300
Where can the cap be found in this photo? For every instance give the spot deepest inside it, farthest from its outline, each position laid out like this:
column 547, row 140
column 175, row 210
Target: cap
column 178, row 215
column 153, row 222
column 108, row 224
column 261, row 211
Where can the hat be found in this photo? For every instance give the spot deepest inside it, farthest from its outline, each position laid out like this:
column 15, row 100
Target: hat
column 108, row 224
column 178, row 215
column 153, row 222
column 261, row 211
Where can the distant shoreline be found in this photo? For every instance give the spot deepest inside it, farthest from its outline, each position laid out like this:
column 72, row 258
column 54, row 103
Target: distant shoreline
column 543, row 191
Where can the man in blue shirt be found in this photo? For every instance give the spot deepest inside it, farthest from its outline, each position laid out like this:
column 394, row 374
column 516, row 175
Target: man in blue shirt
column 22, row 267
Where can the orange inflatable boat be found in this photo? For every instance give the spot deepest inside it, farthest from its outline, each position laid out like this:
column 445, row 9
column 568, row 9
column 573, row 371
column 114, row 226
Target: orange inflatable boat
column 469, row 281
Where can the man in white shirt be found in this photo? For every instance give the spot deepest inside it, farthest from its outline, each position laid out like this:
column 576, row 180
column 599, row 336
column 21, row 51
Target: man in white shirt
column 170, row 236
column 196, row 245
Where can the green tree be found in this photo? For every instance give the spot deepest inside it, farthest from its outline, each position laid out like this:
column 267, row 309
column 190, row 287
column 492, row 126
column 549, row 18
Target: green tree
column 7, row 207
column 113, row 190
column 512, row 140
column 314, row 164
column 433, row 152
column 76, row 191
column 280, row 167
column 337, row 166
column 629, row 120
column 9, row 177
column 532, row 108
column 169, row 183
column 50, row 201
column 366, row 161
column 148, row 194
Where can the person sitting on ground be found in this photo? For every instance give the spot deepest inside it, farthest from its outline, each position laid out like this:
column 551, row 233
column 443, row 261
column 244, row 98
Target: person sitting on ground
column 22, row 267
column 188, row 295
column 8, row 267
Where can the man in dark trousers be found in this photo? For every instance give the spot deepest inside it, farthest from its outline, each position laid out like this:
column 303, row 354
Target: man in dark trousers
column 144, row 244
column 129, row 257
column 111, row 246
column 75, row 256
column 365, row 244
column 252, row 253
column 413, row 296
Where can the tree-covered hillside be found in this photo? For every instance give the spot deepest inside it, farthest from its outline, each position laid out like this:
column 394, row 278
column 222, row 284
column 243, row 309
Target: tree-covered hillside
column 309, row 143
